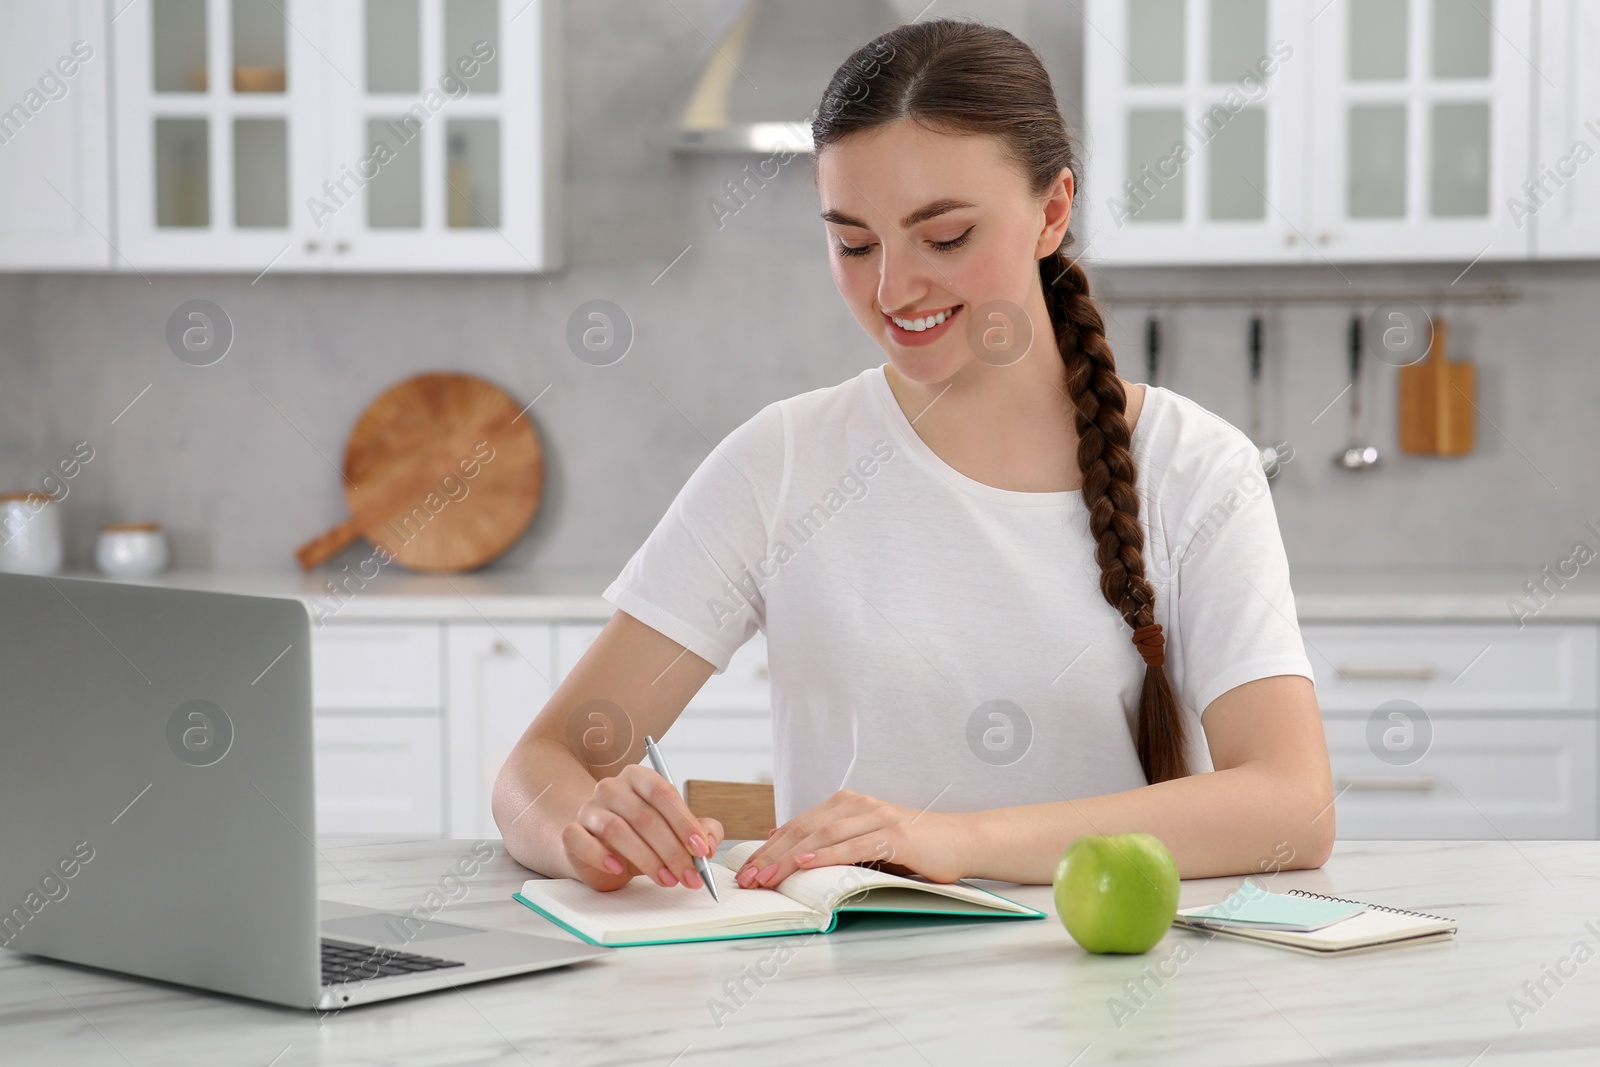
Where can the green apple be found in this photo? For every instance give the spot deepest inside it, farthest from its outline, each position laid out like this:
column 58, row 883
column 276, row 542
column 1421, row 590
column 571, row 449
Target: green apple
column 1117, row 893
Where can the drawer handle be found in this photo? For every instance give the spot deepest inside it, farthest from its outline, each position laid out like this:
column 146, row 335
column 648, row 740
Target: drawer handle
column 761, row 670
column 1420, row 784
column 1420, row 672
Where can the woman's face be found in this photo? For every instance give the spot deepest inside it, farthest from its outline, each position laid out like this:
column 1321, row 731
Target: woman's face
column 923, row 224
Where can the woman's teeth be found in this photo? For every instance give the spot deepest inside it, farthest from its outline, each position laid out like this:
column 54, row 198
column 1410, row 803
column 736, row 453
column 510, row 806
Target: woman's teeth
column 924, row 323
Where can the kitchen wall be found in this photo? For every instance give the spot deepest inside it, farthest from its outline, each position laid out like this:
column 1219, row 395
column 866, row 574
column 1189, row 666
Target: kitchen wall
column 237, row 459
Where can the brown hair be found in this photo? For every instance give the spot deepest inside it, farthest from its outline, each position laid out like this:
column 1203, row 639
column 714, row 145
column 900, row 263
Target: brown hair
column 966, row 77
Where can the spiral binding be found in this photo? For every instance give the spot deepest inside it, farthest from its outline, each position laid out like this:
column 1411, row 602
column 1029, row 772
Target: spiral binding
column 1374, row 907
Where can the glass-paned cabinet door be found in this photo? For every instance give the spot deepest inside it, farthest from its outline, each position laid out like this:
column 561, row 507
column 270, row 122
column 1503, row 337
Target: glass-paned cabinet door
column 55, row 200
column 1195, row 126
column 1561, row 205
column 219, row 125
column 443, row 137
column 1420, row 128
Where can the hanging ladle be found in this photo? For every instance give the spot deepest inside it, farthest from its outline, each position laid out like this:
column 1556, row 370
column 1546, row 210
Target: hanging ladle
column 1271, row 462
column 1152, row 349
column 1356, row 456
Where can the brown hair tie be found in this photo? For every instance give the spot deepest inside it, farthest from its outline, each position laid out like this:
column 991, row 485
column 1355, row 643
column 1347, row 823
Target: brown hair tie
column 1151, row 645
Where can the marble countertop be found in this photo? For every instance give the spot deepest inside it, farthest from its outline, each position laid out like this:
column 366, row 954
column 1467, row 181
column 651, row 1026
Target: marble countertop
column 889, row 992
column 1319, row 596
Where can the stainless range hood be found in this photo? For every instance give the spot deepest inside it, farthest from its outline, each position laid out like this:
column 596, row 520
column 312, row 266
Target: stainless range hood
column 765, row 76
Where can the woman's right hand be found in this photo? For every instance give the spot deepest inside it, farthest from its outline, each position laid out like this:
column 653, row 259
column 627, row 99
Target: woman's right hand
column 636, row 823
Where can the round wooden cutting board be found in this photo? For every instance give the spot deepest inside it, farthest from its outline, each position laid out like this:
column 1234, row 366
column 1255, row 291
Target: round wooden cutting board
column 443, row 471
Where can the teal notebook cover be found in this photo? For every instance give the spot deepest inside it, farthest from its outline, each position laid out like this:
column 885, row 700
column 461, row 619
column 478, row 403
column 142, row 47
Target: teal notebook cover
column 832, row 918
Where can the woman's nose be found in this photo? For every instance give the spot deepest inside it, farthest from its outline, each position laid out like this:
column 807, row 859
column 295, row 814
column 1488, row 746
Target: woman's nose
column 903, row 276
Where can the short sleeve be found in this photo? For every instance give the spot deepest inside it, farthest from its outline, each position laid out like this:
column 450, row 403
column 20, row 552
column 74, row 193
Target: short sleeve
column 1236, row 611
column 698, row 577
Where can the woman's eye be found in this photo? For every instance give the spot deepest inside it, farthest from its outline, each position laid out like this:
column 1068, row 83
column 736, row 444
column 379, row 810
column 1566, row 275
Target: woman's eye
column 954, row 242
column 853, row 250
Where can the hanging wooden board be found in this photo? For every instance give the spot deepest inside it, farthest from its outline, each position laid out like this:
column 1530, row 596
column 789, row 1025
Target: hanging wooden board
column 443, row 471
column 1437, row 416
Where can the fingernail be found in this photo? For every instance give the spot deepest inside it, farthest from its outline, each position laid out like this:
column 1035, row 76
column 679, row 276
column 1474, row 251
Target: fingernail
column 767, row 872
column 665, row 877
column 612, row 864
column 698, row 844
column 805, row 857
column 746, row 875
column 772, row 831
column 691, row 878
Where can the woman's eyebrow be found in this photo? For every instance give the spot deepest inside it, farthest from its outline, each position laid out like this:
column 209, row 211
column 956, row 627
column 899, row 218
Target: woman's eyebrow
column 922, row 214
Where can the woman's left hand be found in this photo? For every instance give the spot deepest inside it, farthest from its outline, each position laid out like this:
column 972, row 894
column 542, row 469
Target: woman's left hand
column 855, row 828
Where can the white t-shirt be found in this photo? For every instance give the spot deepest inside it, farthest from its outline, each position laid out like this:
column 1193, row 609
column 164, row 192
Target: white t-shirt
column 938, row 642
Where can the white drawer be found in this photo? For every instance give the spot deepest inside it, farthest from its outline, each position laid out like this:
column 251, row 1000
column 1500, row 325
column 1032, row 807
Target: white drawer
column 722, row 746
column 377, row 666
column 1453, row 666
column 1481, row 778
column 744, row 686
column 379, row 775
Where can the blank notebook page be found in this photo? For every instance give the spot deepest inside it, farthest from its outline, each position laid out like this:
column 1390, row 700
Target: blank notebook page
column 643, row 905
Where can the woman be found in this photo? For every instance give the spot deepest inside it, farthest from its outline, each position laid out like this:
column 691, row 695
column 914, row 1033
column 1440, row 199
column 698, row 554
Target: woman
column 1009, row 598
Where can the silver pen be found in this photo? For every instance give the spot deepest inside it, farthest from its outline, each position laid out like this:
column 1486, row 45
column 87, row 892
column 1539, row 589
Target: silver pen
column 659, row 763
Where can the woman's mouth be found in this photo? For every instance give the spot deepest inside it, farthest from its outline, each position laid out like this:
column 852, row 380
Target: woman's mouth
column 922, row 327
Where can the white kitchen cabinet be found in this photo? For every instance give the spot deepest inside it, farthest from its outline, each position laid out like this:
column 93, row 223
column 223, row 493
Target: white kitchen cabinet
column 378, row 666
column 1562, row 207
column 379, row 728
column 1374, row 130
column 1454, row 666
column 451, row 107
column 379, row 775
column 248, row 135
column 500, row 676
column 220, row 138
column 55, row 205
column 1196, row 117
column 1459, row 730
column 1421, row 110
column 1517, row 777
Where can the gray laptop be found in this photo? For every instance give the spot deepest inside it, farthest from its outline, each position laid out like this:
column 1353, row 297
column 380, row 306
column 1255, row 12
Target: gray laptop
column 157, row 800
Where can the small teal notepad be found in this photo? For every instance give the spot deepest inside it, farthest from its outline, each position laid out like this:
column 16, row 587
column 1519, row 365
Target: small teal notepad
column 1252, row 907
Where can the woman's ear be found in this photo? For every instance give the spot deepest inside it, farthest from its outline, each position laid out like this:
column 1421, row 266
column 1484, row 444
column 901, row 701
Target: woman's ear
column 1057, row 213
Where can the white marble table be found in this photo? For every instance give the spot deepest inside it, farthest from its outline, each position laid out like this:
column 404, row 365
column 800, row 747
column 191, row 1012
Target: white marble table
column 960, row 994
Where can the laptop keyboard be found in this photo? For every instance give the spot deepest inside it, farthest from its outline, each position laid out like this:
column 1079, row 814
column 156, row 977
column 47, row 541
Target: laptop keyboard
column 343, row 962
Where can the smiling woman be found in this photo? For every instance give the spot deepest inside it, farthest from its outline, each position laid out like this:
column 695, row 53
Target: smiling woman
column 1002, row 569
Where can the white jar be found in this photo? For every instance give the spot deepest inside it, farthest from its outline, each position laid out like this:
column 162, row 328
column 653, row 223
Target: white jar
column 30, row 533
column 131, row 550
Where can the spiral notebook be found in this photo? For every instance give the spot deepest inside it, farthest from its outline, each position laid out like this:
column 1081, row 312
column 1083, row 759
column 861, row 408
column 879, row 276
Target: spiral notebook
column 1269, row 917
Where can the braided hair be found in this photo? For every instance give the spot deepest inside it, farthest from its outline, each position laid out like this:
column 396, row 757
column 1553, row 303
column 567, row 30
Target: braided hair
column 970, row 78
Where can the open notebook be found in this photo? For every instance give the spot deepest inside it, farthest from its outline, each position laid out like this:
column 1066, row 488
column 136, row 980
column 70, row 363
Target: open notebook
column 1314, row 924
column 808, row 901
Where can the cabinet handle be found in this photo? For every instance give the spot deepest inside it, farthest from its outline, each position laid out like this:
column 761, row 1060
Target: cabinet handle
column 761, row 670
column 1420, row 784
column 312, row 246
column 1291, row 239
column 1420, row 672
column 502, row 649
column 1323, row 237
column 342, row 246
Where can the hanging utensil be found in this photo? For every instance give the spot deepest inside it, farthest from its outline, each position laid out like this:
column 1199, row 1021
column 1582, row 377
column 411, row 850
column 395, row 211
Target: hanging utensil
column 1356, row 456
column 1152, row 349
column 1271, row 462
column 1436, row 408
